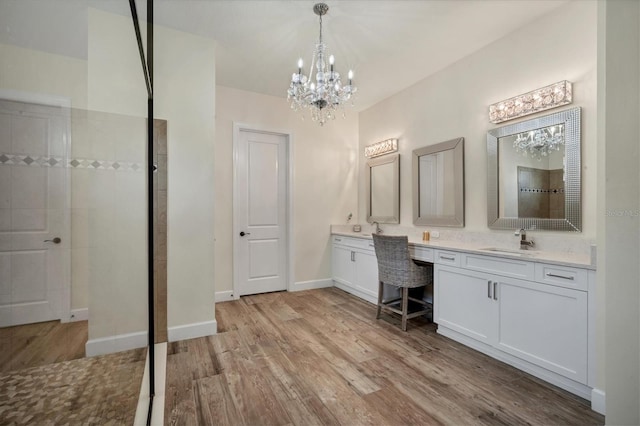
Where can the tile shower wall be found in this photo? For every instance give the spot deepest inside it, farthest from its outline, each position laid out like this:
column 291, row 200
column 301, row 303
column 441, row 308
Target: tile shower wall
column 108, row 221
column 540, row 193
column 160, row 229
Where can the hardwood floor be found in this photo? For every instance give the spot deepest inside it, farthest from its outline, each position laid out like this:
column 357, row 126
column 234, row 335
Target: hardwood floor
column 320, row 357
column 43, row 343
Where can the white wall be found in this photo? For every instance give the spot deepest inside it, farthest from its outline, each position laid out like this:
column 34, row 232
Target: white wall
column 115, row 203
column 33, row 71
column 184, row 95
column 325, row 178
column 454, row 102
column 619, row 204
column 109, row 207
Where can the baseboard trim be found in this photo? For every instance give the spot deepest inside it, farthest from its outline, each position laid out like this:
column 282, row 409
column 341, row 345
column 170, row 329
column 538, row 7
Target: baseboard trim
column 565, row 383
column 313, row 284
column 224, row 296
column 118, row 343
column 192, row 331
column 598, row 401
column 79, row 315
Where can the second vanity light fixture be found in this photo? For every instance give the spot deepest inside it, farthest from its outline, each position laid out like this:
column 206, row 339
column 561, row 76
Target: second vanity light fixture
column 327, row 93
column 551, row 96
column 381, row 148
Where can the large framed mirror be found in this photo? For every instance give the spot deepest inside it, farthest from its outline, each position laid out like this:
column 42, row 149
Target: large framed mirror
column 438, row 184
column 383, row 189
column 534, row 177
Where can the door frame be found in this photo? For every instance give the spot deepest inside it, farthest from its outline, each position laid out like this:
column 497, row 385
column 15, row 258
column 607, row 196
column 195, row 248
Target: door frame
column 237, row 128
column 65, row 103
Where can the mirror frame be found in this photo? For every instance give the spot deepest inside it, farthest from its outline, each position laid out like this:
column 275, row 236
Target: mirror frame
column 395, row 160
column 457, row 219
column 572, row 221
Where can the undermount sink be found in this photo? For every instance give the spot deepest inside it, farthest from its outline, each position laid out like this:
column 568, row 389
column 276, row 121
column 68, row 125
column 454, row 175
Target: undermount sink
column 508, row 252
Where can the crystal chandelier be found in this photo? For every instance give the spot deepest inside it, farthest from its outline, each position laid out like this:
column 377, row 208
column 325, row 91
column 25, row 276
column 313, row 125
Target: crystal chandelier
column 540, row 142
column 324, row 96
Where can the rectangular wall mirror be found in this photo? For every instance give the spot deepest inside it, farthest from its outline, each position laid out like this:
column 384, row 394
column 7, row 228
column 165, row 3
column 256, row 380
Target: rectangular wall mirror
column 383, row 189
column 438, row 184
column 534, row 174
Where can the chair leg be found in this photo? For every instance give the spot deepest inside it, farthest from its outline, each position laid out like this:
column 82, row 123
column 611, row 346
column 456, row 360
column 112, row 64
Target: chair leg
column 405, row 307
column 380, row 290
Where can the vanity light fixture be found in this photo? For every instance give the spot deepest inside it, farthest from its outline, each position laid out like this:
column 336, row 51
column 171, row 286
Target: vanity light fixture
column 547, row 97
column 327, row 93
column 539, row 143
column 381, row 148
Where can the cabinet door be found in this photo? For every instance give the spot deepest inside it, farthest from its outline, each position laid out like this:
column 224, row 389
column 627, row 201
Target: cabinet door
column 463, row 302
column 344, row 265
column 367, row 273
column 545, row 325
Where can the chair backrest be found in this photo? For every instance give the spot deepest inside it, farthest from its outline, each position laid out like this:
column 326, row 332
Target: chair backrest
column 394, row 260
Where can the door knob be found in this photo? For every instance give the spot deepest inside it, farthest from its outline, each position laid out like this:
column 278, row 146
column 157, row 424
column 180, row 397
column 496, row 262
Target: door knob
column 242, row 233
column 56, row 240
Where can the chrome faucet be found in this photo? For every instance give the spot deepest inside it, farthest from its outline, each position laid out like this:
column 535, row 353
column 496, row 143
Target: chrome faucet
column 524, row 243
column 378, row 229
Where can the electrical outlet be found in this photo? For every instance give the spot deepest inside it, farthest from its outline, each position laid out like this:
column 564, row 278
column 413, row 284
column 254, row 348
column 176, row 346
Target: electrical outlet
column 435, row 234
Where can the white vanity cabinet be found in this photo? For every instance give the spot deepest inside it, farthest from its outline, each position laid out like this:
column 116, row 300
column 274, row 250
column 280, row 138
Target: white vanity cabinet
column 532, row 315
column 355, row 267
column 463, row 303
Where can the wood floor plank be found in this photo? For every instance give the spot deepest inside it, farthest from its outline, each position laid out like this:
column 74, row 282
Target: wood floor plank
column 252, row 395
column 213, row 397
column 335, row 357
column 398, row 409
column 320, row 357
column 180, row 405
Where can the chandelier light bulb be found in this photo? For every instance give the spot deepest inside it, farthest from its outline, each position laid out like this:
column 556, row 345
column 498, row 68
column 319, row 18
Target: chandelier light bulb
column 326, row 93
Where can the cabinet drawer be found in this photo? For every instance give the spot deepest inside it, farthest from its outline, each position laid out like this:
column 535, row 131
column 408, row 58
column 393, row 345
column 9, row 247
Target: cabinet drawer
column 345, row 241
column 357, row 243
column 447, row 258
column 564, row 276
column 498, row 265
column 421, row 253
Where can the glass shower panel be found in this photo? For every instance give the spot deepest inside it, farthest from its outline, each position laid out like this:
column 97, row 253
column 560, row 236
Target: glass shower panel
column 73, row 212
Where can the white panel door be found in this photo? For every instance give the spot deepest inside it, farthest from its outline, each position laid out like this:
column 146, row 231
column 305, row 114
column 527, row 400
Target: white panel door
column 33, row 216
column 261, row 212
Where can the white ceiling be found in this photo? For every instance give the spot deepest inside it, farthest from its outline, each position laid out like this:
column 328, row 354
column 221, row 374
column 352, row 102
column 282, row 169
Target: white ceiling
column 390, row 45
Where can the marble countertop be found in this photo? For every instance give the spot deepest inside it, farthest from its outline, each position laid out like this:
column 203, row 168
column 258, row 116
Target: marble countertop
column 558, row 258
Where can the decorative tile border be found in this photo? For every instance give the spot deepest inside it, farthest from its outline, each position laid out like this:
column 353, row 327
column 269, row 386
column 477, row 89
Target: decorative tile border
column 75, row 163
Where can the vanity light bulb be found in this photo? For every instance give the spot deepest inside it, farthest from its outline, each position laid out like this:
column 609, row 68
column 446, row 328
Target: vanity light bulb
column 350, row 74
column 300, row 63
column 331, row 60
